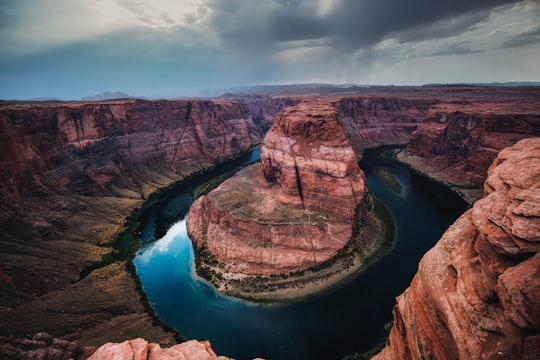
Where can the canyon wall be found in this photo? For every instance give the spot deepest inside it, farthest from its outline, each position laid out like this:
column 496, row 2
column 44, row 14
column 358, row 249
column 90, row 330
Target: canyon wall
column 375, row 121
column 475, row 295
column 458, row 140
column 71, row 173
column 105, row 148
column 265, row 108
column 294, row 210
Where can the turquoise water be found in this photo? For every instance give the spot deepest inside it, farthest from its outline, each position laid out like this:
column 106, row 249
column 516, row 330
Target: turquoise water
column 327, row 326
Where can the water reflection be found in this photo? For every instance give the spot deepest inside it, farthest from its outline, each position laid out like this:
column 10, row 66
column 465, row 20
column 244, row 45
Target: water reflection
column 350, row 318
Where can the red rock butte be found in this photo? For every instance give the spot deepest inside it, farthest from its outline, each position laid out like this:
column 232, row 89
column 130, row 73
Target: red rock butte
column 296, row 209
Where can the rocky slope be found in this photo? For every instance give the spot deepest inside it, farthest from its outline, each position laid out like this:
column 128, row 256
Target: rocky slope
column 458, row 140
column 475, row 293
column 71, row 173
column 43, row 346
column 296, row 209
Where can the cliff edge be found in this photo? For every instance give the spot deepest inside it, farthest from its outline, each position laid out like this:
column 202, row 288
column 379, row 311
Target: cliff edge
column 475, row 295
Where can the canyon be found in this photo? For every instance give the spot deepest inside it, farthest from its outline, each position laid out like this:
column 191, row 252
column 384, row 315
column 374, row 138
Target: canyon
column 73, row 171
column 475, row 293
column 71, row 174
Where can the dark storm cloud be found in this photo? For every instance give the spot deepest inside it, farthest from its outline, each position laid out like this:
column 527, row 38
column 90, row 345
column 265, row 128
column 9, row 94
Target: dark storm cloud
column 347, row 23
column 69, row 49
column 443, row 28
column 523, row 39
column 367, row 22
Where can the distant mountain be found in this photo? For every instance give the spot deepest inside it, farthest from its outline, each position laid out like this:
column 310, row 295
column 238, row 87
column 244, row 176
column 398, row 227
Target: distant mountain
column 500, row 84
column 107, row 95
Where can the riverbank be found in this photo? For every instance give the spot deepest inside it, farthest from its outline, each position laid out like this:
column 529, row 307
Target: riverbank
column 373, row 239
column 104, row 300
column 424, row 168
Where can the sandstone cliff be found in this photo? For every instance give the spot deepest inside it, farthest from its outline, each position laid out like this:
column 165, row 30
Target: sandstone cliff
column 296, row 209
column 458, row 140
column 475, row 295
column 71, row 173
column 372, row 121
column 265, row 108
column 107, row 148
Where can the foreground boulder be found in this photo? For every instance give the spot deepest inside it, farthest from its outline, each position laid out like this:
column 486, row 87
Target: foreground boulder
column 476, row 293
column 44, row 346
column 296, row 209
column 142, row 350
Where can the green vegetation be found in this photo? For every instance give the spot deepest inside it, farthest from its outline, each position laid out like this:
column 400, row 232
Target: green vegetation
column 203, row 262
column 124, row 247
column 126, row 243
column 376, row 218
column 389, row 180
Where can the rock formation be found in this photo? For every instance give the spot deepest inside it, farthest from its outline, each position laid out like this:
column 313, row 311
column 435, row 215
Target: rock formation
column 43, row 346
column 372, row 121
column 265, row 108
column 140, row 349
column 296, row 209
column 457, row 141
column 107, row 148
column 71, row 173
column 475, row 295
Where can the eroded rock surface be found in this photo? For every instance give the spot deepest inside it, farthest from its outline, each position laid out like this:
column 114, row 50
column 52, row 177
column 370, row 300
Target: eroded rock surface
column 71, row 173
column 475, row 295
column 294, row 210
column 372, row 121
column 43, row 346
column 140, row 349
column 457, row 141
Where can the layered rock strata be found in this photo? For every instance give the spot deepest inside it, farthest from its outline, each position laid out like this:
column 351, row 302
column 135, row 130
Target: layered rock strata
column 71, row 173
column 108, row 148
column 372, row 121
column 296, row 209
column 457, row 142
column 475, row 295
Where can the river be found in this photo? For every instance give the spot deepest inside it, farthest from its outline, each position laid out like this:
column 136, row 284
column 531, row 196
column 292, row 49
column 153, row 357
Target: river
column 331, row 325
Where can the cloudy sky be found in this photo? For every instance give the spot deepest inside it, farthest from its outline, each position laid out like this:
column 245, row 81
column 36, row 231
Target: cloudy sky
column 164, row 48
